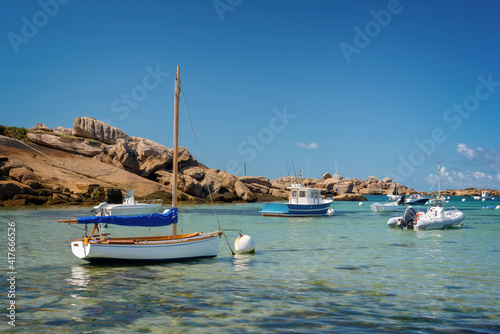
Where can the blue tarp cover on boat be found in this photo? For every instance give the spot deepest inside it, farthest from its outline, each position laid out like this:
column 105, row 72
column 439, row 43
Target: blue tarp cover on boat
column 152, row 220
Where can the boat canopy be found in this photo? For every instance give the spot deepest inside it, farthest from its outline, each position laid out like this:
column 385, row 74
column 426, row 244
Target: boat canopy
column 151, row 220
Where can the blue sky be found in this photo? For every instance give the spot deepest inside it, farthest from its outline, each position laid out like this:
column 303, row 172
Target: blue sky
column 385, row 88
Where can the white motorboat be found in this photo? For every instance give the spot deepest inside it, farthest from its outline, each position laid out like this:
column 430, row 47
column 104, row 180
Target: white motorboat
column 485, row 195
column 129, row 207
column 379, row 207
column 173, row 247
column 394, row 197
column 435, row 218
column 416, row 199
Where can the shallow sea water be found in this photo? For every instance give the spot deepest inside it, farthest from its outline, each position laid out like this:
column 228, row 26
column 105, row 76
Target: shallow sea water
column 344, row 273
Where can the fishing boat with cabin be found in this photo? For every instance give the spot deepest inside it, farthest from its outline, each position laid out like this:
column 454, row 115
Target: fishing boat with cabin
column 302, row 202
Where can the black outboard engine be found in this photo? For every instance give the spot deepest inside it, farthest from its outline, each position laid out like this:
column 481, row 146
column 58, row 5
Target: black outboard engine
column 401, row 200
column 409, row 217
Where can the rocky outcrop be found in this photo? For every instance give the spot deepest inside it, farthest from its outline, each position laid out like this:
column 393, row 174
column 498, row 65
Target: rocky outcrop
column 60, row 130
column 350, row 197
column 91, row 128
column 82, row 146
column 94, row 157
column 41, row 127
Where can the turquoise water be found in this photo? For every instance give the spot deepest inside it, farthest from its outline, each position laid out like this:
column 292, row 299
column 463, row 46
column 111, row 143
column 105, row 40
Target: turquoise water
column 345, row 273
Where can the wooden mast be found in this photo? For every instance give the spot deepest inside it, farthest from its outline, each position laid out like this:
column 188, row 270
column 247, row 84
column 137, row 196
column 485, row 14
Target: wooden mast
column 176, row 146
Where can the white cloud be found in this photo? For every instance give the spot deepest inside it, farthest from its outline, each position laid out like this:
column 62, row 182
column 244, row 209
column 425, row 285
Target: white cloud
column 466, row 151
column 464, row 179
column 308, row 146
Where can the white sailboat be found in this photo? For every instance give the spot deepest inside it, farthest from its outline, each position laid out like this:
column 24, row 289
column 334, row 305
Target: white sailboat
column 98, row 247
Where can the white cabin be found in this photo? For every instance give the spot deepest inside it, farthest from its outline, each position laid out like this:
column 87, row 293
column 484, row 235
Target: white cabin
column 302, row 195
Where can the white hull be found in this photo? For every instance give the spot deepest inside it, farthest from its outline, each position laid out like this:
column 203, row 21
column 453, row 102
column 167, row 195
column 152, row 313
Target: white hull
column 436, row 218
column 378, row 207
column 449, row 219
column 200, row 246
column 479, row 198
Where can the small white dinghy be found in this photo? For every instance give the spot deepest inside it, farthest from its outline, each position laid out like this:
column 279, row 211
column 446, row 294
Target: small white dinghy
column 379, row 207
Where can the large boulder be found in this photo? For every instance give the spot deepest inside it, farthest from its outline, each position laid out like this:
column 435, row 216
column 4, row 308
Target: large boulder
column 60, row 130
column 350, row 197
column 326, row 176
column 41, row 127
column 70, row 144
column 23, row 175
column 374, row 189
column 8, row 189
column 146, row 148
column 91, row 128
column 190, row 186
column 212, row 182
column 263, row 181
column 195, row 172
column 345, row 187
column 243, row 192
column 122, row 156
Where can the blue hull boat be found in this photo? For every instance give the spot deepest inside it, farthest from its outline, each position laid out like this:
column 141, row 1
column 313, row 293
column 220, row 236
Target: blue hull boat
column 303, row 202
column 295, row 210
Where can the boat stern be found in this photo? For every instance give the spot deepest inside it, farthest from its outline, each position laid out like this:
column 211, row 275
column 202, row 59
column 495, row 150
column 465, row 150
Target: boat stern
column 80, row 248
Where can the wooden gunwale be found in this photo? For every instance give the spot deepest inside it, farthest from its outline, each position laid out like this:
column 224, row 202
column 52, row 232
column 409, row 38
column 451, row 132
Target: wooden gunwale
column 180, row 238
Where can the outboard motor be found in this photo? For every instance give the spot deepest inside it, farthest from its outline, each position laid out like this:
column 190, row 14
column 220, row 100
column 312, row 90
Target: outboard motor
column 99, row 210
column 408, row 219
column 401, row 200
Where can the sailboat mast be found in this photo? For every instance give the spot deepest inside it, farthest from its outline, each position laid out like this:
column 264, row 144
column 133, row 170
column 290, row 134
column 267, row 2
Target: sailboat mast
column 439, row 178
column 176, row 145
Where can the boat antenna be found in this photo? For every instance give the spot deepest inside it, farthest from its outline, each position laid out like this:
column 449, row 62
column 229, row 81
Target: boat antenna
column 287, row 168
column 307, row 169
column 294, row 172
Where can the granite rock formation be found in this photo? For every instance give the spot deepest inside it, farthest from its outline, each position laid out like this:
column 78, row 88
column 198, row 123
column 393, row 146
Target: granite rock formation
column 93, row 159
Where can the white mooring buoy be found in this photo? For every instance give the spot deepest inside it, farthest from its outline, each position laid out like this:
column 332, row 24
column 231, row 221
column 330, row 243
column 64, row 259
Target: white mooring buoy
column 244, row 244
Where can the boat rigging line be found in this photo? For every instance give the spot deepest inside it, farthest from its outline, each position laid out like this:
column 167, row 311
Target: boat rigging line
column 201, row 161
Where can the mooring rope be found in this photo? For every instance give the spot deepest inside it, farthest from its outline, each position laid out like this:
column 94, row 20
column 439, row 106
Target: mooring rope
column 228, row 245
